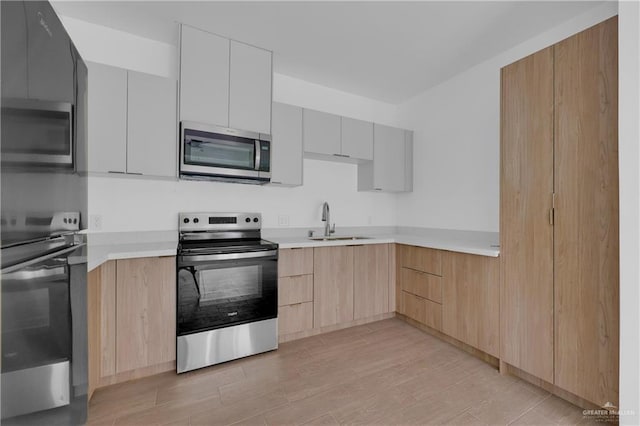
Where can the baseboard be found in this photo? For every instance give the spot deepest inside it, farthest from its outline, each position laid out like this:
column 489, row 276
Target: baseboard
column 138, row 373
column 489, row 359
column 506, row 368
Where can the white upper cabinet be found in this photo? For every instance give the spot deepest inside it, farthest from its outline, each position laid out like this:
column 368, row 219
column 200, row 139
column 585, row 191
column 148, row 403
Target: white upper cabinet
column 107, row 118
column 152, row 132
column 321, row 133
column 204, row 77
column 357, row 139
column 250, row 88
column 387, row 172
column 132, row 122
column 224, row 82
column 286, row 145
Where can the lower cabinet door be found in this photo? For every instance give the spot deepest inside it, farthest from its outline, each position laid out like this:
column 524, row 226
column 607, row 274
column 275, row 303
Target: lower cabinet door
column 332, row 285
column 471, row 300
column 146, row 312
column 295, row 318
column 370, row 280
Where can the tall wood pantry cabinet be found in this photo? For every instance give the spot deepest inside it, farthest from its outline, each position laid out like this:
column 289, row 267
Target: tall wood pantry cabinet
column 559, row 214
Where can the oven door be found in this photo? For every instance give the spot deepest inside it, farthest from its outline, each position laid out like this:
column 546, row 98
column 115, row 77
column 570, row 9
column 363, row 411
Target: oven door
column 221, row 290
column 36, row 336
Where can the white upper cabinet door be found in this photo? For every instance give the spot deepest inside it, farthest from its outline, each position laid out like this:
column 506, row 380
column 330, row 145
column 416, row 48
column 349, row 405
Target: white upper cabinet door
column 107, row 118
column 250, row 88
column 286, row 145
column 204, row 77
column 388, row 159
column 321, row 132
column 357, row 139
column 152, row 134
column 408, row 160
column 387, row 172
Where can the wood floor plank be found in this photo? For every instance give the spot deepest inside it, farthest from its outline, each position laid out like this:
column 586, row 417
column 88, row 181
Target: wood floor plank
column 383, row 373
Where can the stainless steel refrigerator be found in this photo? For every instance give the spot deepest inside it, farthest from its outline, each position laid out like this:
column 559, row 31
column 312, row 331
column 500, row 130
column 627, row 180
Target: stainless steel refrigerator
column 43, row 152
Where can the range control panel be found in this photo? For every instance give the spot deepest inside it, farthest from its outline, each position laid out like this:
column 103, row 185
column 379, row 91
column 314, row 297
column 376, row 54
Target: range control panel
column 192, row 222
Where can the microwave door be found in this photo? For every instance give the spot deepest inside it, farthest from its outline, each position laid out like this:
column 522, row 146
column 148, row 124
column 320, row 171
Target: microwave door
column 223, row 156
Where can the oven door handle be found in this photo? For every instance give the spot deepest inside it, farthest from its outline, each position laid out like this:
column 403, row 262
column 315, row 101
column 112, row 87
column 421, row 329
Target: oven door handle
column 52, row 273
column 228, row 256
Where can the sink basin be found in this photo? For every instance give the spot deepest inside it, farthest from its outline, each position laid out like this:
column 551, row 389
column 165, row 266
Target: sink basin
column 338, row 238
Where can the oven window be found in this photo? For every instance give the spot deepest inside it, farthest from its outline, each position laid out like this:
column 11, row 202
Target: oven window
column 223, row 151
column 226, row 293
column 219, row 285
column 36, row 324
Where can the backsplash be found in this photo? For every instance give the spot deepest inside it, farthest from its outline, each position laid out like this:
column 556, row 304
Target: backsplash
column 135, row 204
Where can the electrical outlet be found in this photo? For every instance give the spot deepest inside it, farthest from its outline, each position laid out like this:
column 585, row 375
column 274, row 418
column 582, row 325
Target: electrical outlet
column 283, row 220
column 369, row 220
column 95, row 222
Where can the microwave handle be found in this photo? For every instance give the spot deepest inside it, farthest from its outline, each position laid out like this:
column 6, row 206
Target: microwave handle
column 257, row 162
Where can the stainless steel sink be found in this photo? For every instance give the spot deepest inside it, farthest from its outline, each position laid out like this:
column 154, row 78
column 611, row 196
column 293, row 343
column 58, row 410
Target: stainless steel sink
column 338, row 238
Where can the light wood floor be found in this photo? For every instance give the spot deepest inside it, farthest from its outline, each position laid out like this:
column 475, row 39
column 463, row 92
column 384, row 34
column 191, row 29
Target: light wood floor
column 384, row 373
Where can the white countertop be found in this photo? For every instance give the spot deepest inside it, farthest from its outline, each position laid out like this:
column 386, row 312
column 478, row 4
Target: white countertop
column 484, row 244
column 126, row 245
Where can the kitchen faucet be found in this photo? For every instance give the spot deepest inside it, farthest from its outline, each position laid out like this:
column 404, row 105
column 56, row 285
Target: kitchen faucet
column 328, row 229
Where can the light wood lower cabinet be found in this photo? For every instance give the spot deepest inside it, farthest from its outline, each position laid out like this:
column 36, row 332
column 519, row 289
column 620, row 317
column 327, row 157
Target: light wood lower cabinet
column 326, row 288
column 455, row 293
column 422, row 284
column 471, row 300
column 131, row 319
column 370, row 280
column 332, row 285
column 422, row 310
column 146, row 311
column 295, row 318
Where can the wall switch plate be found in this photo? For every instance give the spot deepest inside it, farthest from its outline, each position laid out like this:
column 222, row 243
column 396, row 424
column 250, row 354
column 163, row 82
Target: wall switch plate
column 95, row 222
column 283, row 220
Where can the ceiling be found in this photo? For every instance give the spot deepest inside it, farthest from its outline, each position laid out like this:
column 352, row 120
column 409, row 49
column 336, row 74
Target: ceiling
column 388, row 51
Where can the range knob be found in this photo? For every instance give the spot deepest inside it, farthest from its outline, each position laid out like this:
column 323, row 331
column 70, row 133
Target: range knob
column 255, row 219
column 186, row 220
column 196, row 220
column 248, row 220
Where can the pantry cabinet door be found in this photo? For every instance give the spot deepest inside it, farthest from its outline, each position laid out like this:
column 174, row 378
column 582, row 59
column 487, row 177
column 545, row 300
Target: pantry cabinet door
column 586, row 214
column 526, row 229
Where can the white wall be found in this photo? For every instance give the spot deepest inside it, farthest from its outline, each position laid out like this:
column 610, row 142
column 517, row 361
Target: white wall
column 629, row 162
column 130, row 204
column 457, row 139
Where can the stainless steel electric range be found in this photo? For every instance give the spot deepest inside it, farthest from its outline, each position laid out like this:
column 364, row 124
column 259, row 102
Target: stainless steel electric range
column 227, row 289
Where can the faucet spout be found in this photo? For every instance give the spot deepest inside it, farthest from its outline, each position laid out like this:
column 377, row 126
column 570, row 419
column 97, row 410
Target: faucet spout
column 326, row 218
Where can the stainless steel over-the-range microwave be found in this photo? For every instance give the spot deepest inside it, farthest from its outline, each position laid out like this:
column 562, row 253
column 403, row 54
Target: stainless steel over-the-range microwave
column 219, row 153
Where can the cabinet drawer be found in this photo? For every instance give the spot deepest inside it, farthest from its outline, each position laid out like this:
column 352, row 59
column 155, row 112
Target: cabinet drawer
column 295, row 318
column 422, row 284
column 295, row 289
column 422, row 310
column 421, row 259
column 295, row 261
